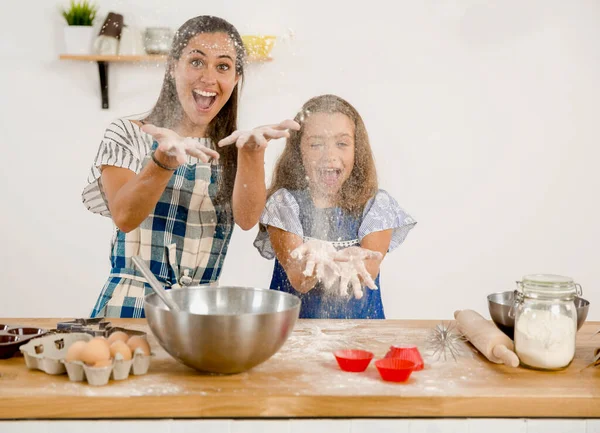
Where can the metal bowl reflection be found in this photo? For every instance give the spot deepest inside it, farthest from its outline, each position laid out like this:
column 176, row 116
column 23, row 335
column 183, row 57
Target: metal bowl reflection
column 223, row 329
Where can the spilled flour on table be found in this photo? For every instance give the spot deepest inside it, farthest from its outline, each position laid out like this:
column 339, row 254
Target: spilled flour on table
column 304, row 366
column 309, row 353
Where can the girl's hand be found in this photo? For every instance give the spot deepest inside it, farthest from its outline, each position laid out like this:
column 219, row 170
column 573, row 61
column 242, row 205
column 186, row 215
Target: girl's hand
column 177, row 147
column 318, row 256
column 258, row 138
column 349, row 276
column 356, row 253
column 353, row 271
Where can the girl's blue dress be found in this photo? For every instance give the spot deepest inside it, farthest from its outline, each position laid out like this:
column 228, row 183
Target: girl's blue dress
column 295, row 212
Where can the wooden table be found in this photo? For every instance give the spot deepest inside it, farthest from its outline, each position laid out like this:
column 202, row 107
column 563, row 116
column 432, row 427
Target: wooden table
column 303, row 380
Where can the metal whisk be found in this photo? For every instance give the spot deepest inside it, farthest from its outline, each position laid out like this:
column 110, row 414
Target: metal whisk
column 445, row 341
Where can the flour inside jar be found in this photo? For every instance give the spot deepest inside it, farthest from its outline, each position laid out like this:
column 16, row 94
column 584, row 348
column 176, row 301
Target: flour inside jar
column 545, row 339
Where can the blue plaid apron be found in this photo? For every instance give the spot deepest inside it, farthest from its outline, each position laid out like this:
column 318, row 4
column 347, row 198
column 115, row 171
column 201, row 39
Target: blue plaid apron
column 184, row 241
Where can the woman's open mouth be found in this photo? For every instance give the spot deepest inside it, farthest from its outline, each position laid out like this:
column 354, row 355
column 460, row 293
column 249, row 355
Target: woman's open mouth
column 204, row 100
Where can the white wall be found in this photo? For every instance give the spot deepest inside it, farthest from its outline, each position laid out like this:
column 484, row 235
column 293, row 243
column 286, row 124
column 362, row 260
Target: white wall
column 483, row 119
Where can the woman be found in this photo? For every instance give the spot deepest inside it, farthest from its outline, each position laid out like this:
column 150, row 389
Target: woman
column 174, row 195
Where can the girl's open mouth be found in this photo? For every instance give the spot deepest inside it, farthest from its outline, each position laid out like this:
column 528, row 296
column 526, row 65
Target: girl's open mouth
column 330, row 176
column 204, row 100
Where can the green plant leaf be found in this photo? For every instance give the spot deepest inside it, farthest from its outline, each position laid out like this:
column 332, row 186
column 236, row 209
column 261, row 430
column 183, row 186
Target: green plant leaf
column 80, row 13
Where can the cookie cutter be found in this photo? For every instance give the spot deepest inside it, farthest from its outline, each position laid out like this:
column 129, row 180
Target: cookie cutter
column 96, row 327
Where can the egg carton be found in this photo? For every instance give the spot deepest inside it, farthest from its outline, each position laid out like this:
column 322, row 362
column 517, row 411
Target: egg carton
column 118, row 370
column 48, row 354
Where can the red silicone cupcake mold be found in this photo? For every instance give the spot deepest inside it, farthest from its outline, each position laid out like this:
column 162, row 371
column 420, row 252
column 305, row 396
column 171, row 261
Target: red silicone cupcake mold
column 394, row 369
column 407, row 352
column 354, row 360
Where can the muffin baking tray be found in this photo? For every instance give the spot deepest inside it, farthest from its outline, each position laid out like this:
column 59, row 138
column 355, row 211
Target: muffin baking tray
column 12, row 337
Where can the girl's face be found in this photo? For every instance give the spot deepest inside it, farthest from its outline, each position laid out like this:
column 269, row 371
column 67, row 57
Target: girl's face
column 327, row 147
column 205, row 78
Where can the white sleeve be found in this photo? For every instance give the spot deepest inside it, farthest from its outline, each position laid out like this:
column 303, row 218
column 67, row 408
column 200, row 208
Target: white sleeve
column 383, row 213
column 124, row 146
column 281, row 211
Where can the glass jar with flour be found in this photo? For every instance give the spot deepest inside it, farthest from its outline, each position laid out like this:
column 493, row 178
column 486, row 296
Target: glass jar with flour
column 545, row 321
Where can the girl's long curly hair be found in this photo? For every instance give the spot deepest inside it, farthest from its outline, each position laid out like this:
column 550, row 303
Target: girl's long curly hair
column 359, row 187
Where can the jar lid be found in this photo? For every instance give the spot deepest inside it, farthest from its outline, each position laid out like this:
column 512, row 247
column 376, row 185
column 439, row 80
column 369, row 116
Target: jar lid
column 535, row 285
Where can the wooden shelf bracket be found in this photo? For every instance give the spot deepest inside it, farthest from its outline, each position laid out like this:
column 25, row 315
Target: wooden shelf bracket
column 103, row 72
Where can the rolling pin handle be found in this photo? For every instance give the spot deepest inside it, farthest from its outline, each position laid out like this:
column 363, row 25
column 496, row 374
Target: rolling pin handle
column 507, row 356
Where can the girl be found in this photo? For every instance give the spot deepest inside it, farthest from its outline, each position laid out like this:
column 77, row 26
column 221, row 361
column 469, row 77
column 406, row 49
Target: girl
column 325, row 220
column 174, row 200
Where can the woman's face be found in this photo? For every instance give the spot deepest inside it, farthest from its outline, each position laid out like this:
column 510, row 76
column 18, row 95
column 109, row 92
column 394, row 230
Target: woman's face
column 327, row 147
column 205, row 77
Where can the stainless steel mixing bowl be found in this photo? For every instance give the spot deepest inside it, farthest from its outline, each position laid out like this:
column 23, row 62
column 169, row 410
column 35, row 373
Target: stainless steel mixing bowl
column 499, row 305
column 223, row 329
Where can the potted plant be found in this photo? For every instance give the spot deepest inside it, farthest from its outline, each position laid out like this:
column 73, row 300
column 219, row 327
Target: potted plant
column 79, row 31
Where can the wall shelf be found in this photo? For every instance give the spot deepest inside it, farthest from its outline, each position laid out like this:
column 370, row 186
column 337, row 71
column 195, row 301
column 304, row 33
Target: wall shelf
column 104, row 60
column 98, row 58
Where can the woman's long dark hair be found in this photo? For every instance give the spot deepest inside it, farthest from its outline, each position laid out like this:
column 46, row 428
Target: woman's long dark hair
column 168, row 112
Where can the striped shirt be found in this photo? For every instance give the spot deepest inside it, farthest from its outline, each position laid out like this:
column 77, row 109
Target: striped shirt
column 183, row 240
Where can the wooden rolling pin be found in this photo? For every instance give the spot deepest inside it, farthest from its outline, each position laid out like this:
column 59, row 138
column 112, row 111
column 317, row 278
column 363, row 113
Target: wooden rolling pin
column 488, row 339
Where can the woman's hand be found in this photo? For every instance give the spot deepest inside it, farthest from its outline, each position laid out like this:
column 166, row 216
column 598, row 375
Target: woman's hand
column 249, row 191
column 177, row 147
column 258, row 138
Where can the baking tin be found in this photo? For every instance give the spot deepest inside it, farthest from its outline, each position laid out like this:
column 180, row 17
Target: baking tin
column 12, row 337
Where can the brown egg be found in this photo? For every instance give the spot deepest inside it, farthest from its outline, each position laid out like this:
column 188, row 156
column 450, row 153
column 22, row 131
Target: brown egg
column 118, row 336
column 137, row 341
column 95, row 350
column 122, row 348
column 74, row 351
column 105, row 363
column 104, row 340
